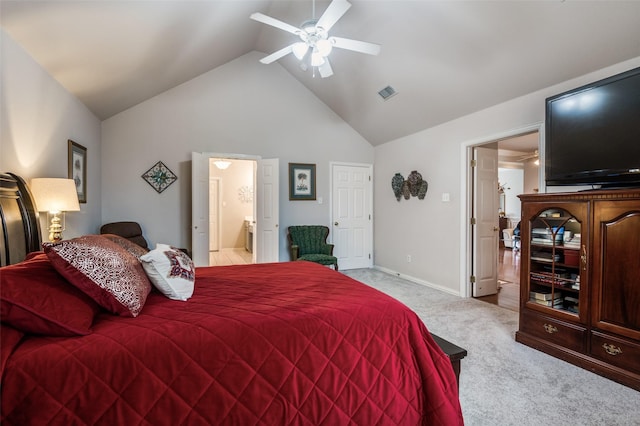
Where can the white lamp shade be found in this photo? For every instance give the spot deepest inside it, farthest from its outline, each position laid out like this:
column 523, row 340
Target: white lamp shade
column 55, row 195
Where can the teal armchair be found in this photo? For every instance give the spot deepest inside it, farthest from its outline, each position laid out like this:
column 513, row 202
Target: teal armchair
column 309, row 242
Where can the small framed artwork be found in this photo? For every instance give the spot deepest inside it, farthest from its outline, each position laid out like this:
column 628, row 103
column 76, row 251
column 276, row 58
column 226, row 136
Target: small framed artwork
column 77, row 165
column 302, row 181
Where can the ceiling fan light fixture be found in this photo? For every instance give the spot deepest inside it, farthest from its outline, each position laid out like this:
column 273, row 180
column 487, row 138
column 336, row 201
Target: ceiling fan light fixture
column 316, row 58
column 324, row 47
column 300, row 50
column 222, row 164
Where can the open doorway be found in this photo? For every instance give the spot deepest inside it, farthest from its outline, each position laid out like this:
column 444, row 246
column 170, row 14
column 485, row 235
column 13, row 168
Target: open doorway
column 265, row 241
column 231, row 211
column 518, row 170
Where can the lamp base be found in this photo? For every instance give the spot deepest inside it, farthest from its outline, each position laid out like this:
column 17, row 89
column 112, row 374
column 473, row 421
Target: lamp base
column 55, row 228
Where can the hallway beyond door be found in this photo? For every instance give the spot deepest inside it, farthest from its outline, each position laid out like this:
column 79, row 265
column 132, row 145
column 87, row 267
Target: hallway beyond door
column 508, row 295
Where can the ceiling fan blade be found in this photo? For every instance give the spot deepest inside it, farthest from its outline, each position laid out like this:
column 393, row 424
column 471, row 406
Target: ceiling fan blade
column 325, row 69
column 336, row 9
column 274, row 22
column 277, row 55
column 355, row 45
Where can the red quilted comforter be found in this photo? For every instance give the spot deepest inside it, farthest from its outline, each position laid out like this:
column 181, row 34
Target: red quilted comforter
column 271, row 344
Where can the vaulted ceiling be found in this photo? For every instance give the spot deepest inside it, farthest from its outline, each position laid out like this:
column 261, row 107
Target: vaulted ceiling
column 445, row 59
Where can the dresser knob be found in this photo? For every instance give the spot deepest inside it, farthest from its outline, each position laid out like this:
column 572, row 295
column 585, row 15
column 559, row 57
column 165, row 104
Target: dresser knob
column 550, row 329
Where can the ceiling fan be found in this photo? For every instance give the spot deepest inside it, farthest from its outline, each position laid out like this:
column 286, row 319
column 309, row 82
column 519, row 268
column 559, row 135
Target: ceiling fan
column 315, row 44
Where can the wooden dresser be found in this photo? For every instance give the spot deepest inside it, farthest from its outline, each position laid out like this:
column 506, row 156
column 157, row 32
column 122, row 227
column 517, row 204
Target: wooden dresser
column 580, row 282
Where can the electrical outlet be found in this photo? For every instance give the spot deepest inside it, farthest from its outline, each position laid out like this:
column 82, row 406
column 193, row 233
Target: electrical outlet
column 409, row 258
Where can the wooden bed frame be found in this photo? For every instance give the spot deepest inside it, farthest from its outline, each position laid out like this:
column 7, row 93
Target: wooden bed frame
column 20, row 234
column 19, row 220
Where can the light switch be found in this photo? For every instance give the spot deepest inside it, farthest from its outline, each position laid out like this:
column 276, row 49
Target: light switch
column 319, row 200
column 445, row 197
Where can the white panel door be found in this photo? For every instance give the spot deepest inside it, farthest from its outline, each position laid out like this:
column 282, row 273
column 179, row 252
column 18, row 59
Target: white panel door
column 352, row 230
column 200, row 208
column 485, row 211
column 266, row 235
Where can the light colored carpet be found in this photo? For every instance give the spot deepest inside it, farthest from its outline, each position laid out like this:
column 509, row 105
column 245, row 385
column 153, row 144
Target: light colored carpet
column 503, row 382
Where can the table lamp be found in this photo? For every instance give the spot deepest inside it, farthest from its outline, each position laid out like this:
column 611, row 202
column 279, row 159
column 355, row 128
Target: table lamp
column 55, row 196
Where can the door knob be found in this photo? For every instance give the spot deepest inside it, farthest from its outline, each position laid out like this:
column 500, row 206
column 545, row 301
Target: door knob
column 495, row 229
column 336, row 223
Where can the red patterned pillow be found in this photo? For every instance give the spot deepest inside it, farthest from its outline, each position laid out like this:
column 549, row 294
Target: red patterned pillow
column 129, row 246
column 109, row 274
column 36, row 299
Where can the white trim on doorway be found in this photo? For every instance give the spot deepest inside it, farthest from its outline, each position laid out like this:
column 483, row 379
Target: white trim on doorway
column 466, row 187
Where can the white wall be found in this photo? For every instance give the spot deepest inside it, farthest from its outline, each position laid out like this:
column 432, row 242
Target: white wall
column 242, row 107
column 38, row 117
column 513, row 180
column 432, row 231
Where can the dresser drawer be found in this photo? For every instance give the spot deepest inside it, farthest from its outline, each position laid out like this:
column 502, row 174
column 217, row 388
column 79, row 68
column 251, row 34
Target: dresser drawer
column 615, row 351
column 567, row 335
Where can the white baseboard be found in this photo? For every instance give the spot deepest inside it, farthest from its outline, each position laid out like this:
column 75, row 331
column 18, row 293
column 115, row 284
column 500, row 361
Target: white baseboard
column 417, row 280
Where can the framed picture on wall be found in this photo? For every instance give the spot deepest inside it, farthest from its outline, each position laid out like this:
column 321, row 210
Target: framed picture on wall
column 302, row 181
column 77, row 164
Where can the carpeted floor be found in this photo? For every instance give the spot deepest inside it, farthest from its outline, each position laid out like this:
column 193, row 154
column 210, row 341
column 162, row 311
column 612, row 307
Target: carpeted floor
column 503, row 382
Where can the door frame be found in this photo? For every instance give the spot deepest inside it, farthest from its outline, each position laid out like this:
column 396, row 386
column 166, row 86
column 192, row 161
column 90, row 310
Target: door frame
column 466, row 187
column 369, row 167
column 208, row 155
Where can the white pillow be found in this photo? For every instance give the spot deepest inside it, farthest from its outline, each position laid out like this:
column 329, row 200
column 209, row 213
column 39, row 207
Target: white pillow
column 170, row 270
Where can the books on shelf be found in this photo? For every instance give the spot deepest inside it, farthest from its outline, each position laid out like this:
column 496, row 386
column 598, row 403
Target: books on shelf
column 556, row 303
column 562, row 280
column 545, row 256
column 574, row 242
column 540, row 295
column 572, row 304
column 546, row 298
column 571, row 299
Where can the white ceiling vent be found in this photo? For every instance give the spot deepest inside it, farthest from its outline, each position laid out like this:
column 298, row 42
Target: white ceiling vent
column 387, row 92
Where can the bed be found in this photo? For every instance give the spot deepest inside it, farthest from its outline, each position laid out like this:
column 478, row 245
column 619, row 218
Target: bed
column 292, row 343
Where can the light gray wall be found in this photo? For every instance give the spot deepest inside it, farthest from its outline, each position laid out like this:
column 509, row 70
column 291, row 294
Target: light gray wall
column 431, row 230
column 38, row 117
column 242, row 107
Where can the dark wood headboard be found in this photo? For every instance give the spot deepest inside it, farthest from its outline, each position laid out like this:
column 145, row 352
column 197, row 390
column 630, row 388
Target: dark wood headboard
column 19, row 220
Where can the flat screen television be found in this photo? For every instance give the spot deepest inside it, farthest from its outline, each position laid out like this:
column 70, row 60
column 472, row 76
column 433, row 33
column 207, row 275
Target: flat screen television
column 593, row 133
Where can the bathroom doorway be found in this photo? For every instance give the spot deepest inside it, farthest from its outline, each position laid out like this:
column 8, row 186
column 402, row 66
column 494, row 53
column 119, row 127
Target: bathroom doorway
column 231, row 211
